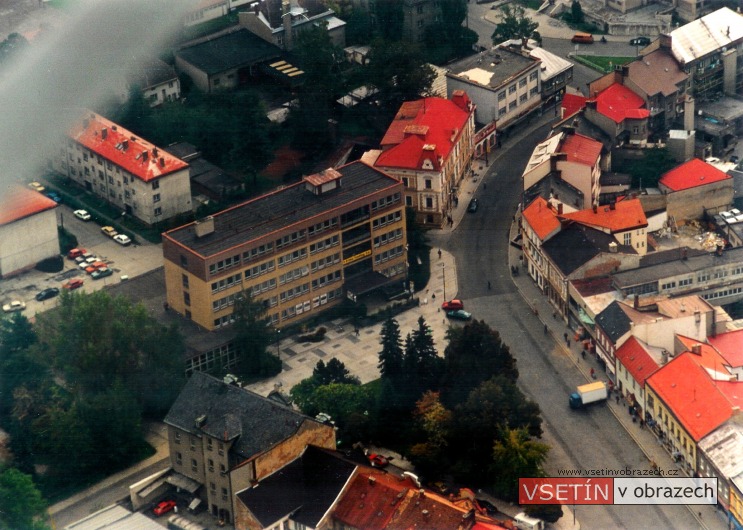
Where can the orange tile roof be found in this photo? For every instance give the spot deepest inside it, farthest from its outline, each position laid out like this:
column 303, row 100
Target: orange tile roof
column 137, row 156
column 572, row 103
column 636, row 360
column 581, row 149
column 619, row 103
column 19, row 202
column 692, row 396
column 626, row 215
column 730, row 346
column 370, row 504
column 541, row 218
column 691, row 174
column 426, row 128
column 708, row 357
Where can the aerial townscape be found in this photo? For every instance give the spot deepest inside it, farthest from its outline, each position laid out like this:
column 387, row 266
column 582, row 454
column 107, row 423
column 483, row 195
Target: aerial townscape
column 368, row 265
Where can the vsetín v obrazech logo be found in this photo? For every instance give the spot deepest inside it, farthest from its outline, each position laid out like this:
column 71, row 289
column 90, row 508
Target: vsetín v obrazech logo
column 614, row 490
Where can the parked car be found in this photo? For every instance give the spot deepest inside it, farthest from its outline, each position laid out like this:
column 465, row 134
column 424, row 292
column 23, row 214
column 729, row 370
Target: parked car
column 378, row 460
column 15, row 305
column 122, row 239
column 88, row 262
column 164, row 507
column 96, row 265
column 640, row 41
column 74, row 283
column 452, row 305
column 46, row 294
column 76, row 253
column 37, row 186
column 110, row 231
column 582, row 38
column 53, row 195
column 734, row 159
column 101, row 273
column 472, row 208
column 459, row 314
column 85, row 257
column 83, row 215
column 488, row 506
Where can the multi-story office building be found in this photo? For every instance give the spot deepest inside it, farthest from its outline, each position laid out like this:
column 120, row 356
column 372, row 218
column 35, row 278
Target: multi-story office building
column 130, row 173
column 299, row 249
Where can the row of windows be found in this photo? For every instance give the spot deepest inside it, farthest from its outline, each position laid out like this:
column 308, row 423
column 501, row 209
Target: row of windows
column 392, row 217
column 253, row 253
column 225, row 283
column 294, row 274
column 264, row 286
column 388, row 237
column 393, row 271
column 290, row 239
column 226, row 263
column 334, row 276
column 385, row 201
column 259, row 270
column 317, row 301
column 388, row 254
column 321, row 227
column 294, row 292
column 221, row 358
column 286, row 259
column 225, row 302
column 723, row 294
column 325, row 262
column 325, row 243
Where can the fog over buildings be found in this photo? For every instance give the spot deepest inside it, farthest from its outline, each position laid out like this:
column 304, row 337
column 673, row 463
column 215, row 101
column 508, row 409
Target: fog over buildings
column 72, row 67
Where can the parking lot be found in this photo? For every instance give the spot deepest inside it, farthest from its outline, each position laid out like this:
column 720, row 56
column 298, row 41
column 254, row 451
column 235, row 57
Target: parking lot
column 126, row 262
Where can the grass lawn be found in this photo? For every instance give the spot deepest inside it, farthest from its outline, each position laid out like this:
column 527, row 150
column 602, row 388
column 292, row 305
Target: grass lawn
column 602, row 63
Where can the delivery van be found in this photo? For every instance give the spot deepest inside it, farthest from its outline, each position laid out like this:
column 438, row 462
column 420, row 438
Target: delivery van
column 582, row 38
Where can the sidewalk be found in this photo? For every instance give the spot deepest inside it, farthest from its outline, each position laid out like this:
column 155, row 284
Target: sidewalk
column 707, row 516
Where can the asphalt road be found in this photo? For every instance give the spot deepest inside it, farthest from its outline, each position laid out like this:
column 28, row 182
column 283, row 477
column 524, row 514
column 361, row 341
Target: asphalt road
column 586, row 439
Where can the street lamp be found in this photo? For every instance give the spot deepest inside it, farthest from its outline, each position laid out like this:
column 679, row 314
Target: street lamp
column 278, row 341
column 443, row 270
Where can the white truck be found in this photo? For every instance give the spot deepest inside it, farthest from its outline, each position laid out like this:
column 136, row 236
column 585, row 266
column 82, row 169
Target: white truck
column 587, row 394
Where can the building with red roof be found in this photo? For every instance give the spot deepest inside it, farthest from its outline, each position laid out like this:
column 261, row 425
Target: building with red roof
column 635, row 362
column 730, row 346
column 696, row 186
column 687, row 405
column 539, row 222
column 28, row 230
column 567, row 167
column 617, row 111
column 132, row 174
column 428, row 146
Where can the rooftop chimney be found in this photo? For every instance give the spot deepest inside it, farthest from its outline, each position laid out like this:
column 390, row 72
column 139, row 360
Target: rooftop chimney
column 204, row 226
column 613, row 205
column 559, row 208
column 696, row 349
column 104, row 133
column 162, row 162
column 145, row 156
column 124, row 145
column 636, row 301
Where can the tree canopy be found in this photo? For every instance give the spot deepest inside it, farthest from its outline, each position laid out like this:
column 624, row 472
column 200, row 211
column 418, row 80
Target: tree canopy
column 399, row 71
column 21, row 504
column 514, row 24
column 254, row 335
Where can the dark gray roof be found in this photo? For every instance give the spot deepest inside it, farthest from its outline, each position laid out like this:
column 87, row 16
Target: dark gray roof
column 576, row 245
column 153, row 72
column 282, row 209
column 501, row 64
column 184, row 150
column 677, row 267
column 306, row 488
column 233, row 50
column 233, row 413
column 614, row 321
column 673, row 254
column 212, row 178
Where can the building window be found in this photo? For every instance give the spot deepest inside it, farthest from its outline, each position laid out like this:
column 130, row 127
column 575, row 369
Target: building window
column 408, row 200
column 512, row 89
column 405, row 182
column 224, row 494
column 628, row 239
column 502, row 111
column 194, row 465
column 187, row 299
column 178, row 458
column 156, row 197
column 208, row 444
column 429, row 202
column 221, row 449
column 522, row 82
column 533, row 76
column 155, row 184
column 501, row 95
column 158, row 212
column 211, row 466
column 512, row 105
column 523, row 98
column 428, row 184
column 184, row 281
column 177, row 437
column 184, row 261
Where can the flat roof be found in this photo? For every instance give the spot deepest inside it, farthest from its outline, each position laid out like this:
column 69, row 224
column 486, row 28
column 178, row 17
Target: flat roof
column 281, row 209
column 491, row 68
column 239, row 48
column 705, row 35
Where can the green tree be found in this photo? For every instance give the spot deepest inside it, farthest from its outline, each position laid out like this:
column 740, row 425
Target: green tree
column 423, row 367
column 475, row 353
column 334, row 371
column 253, row 336
column 576, row 12
column 516, row 455
column 358, row 27
column 391, row 356
column 434, row 420
column 21, row 504
column 17, row 365
column 514, row 24
column 390, row 17
column 650, row 167
column 447, row 38
column 399, row 71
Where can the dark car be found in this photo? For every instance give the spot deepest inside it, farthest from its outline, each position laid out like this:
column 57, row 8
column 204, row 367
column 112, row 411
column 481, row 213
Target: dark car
column 459, row 314
column 474, row 203
column 639, row 41
column 734, row 159
column 53, row 195
column 47, row 293
column 488, row 506
column 97, row 274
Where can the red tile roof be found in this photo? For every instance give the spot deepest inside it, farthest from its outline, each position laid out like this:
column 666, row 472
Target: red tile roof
column 636, row 360
column 733, row 390
column 137, row 156
column 708, row 357
column 572, row 103
column 619, row 103
column 370, row 504
column 730, row 346
column 691, row 174
column 626, row 215
column 541, row 218
column 688, row 391
column 581, row 149
column 19, row 202
column 426, row 128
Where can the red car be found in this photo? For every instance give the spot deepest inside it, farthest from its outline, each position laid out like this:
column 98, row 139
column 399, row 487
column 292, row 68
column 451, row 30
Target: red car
column 74, row 283
column 378, row 460
column 76, row 252
column 163, row 507
column 452, row 305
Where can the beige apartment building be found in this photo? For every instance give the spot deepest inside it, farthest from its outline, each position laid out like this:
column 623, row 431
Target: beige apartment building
column 301, row 249
column 132, row 174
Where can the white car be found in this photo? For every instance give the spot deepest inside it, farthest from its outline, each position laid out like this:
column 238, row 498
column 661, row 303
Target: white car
column 15, row 305
column 83, row 215
column 122, row 239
